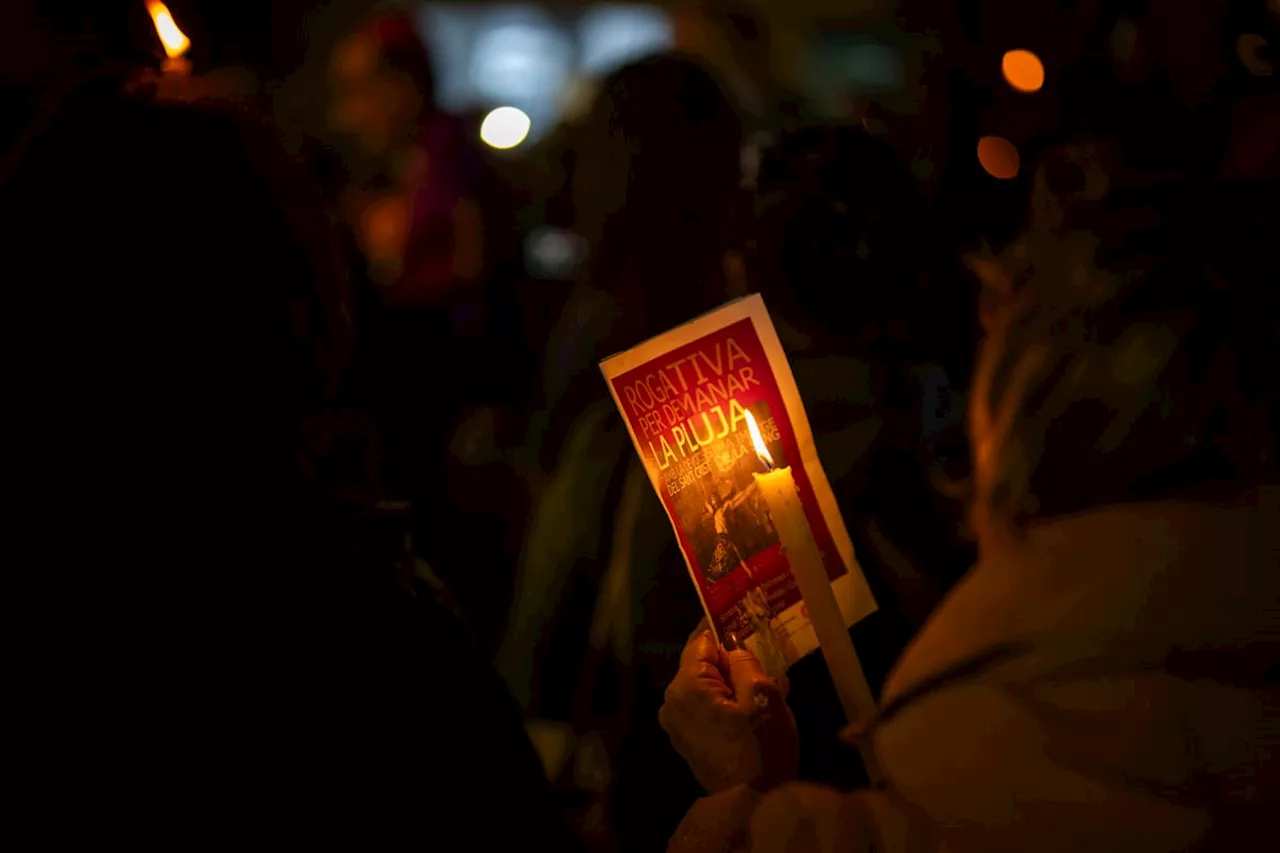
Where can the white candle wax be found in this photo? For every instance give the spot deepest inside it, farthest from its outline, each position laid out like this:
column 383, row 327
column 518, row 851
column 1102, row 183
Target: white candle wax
column 778, row 487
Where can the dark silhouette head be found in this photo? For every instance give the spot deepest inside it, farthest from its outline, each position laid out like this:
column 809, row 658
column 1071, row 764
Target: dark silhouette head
column 186, row 313
column 670, row 140
column 840, row 236
column 655, row 183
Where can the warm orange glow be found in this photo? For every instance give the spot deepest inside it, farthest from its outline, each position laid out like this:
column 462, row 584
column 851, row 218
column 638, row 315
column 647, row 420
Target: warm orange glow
column 1023, row 69
column 998, row 156
column 174, row 40
column 757, row 440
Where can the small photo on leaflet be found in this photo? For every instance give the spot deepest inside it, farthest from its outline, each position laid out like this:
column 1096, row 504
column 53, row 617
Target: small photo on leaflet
column 725, row 517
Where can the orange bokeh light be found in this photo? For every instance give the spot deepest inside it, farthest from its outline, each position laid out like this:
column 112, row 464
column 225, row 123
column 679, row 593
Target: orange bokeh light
column 1023, row 69
column 998, row 156
column 174, row 40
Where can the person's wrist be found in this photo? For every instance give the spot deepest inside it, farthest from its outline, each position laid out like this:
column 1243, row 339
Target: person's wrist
column 778, row 741
column 777, row 770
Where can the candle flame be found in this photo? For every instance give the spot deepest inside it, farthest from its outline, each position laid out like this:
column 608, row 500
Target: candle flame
column 174, row 40
column 757, row 440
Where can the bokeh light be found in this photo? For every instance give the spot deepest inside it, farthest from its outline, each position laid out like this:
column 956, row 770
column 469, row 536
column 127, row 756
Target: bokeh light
column 611, row 35
column 520, row 59
column 1023, row 69
column 998, row 156
column 505, row 127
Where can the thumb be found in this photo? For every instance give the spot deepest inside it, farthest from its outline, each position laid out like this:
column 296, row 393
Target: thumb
column 753, row 689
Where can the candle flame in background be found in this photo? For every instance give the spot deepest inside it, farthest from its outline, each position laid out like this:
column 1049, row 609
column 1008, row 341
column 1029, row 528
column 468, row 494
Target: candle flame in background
column 757, row 440
column 174, row 40
column 998, row 156
column 1023, row 70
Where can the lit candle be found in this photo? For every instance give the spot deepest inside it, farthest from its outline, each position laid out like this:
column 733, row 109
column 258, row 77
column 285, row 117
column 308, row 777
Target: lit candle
column 173, row 39
column 778, row 487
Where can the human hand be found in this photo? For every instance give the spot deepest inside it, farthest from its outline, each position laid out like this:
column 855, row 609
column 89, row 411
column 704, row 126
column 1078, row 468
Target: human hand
column 728, row 719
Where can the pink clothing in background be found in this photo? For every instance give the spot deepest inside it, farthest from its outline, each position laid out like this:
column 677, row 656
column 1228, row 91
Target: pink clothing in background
column 445, row 179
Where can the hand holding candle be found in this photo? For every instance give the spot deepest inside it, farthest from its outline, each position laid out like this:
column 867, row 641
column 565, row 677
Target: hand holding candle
column 728, row 719
column 684, row 396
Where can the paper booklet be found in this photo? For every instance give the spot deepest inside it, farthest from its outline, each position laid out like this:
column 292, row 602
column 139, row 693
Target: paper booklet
column 685, row 396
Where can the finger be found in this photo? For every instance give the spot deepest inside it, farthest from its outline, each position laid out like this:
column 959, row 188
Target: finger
column 710, row 673
column 745, row 671
column 701, row 648
column 699, row 686
column 703, row 627
column 752, row 688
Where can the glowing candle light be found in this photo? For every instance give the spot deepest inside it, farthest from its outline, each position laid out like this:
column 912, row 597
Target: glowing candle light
column 1023, row 70
column 998, row 156
column 173, row 39
column 778, row 488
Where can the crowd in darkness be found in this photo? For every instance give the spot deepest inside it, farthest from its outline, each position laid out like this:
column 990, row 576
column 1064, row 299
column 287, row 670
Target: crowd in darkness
column 333, row 531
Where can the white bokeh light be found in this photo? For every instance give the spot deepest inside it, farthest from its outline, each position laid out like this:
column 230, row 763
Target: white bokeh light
column 611, row 35
column 518, row 58
column 505, row 127
column 524, row 55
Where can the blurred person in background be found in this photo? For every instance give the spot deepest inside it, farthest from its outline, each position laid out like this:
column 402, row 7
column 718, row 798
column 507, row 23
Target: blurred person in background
column 439, row 364
column 734, row 39
column 655, row 181
column 421, row 228
column 251, row 663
